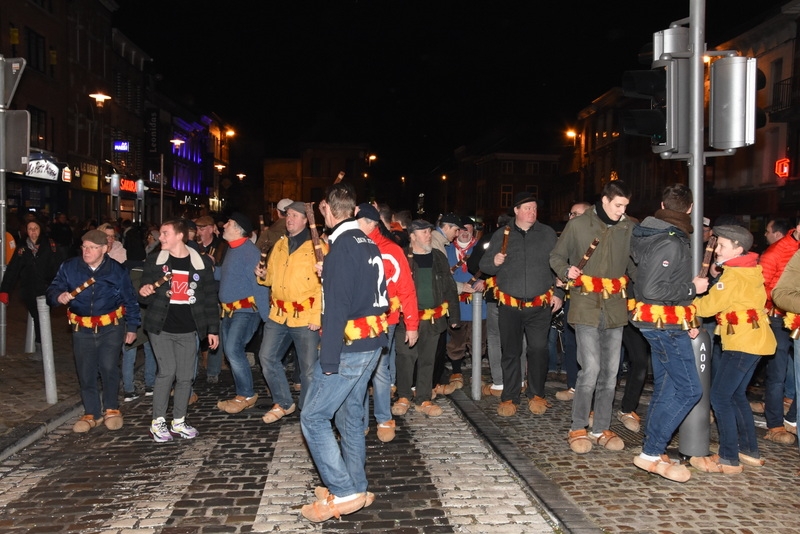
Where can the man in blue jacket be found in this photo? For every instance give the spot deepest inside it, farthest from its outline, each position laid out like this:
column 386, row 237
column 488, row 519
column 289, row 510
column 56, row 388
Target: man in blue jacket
column 104, row 314
column 354, row 306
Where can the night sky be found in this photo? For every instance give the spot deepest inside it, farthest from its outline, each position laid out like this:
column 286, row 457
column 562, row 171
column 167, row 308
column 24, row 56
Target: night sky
column 414, row 80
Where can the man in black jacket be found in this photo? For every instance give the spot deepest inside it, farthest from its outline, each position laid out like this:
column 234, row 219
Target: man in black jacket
column 664, row 292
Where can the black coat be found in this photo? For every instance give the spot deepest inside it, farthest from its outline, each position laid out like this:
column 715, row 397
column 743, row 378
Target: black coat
column 34, row 273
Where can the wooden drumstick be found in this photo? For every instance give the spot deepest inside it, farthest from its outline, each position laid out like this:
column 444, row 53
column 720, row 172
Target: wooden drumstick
column 74, row 292
column 506, row 232
column 588, row 254
column 312, row 226
column 163, row 280
column 339, row 177
column 710, row 246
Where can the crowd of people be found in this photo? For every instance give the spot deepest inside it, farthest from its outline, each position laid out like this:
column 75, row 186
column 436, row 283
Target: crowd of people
column 376, row 298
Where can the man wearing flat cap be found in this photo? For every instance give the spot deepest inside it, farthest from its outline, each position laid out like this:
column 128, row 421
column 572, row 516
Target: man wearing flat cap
column 103, row 310
column 295, row 313
column 526, row 299
column 244, row 303
column 437, row 303
column 598, row 309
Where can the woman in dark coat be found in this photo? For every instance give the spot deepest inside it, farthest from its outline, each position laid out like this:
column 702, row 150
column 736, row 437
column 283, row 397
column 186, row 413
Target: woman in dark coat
column 34, row 265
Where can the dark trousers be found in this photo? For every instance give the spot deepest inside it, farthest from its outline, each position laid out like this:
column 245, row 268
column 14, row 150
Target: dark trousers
column 534, row 324
column 638, row 350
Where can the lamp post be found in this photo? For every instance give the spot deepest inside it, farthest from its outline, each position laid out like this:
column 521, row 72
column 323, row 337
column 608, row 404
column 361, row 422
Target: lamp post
column 99, row 100
column 444, row 186
column 176, row 145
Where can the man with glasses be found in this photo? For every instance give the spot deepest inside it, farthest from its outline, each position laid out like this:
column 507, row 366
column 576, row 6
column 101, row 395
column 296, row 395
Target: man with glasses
column 103, row 311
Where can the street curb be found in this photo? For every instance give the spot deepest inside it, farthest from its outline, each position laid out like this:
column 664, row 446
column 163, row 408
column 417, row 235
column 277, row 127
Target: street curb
column 40, row 425
column 558, row 506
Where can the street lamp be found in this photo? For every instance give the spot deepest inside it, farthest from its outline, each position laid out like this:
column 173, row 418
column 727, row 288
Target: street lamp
column 444, row 183
column 99, row 100
column 176, row 145
column 241, row 176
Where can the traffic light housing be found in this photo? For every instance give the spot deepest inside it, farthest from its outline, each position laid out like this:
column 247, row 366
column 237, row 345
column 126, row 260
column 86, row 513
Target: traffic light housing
column 733, row 115
column 666, row 85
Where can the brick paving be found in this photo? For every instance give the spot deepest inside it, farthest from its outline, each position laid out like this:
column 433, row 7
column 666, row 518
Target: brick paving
column 467, row 471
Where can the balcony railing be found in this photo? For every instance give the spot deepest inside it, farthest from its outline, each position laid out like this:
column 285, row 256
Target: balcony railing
column 785, row 95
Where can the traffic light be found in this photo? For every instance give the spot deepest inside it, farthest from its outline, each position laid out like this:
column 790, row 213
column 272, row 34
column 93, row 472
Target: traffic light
column 732, row 112
column 666, row 85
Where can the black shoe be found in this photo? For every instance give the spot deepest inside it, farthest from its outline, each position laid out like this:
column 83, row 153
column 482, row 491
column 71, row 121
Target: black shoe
column 148, row 392
column 130, row 396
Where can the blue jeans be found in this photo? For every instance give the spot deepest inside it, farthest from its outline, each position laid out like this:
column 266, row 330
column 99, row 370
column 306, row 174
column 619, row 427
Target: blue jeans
column 676, row 389
column 129, row 364
column 236, row 332
column 737, row 431
column 776, row 377
column 382, row 383
column 274, row 343
column 339, row 396
column 98, row 354
column 598, row 356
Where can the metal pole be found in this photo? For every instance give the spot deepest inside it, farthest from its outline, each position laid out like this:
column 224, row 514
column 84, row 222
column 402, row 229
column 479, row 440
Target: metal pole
column 694, row 437
column 477, row 353
column 161, row 192
column 30, row 335
column 51, row 391
column 696, row 162
column 3, row 164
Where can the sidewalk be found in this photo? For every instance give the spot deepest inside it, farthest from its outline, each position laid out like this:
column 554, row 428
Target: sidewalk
column 25, row 414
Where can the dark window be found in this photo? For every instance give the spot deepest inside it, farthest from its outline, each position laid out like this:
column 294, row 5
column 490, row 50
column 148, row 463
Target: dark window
column 37, row 51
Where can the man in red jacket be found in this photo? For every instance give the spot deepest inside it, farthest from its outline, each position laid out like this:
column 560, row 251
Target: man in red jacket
column 402, row 296
column 783, row 244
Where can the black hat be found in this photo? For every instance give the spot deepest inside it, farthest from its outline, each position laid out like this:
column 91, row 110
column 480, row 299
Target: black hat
column 523, row 198
column 467, row 220
column 451, row 218
column 420, row 224
column 738, row 234
column 243, row 221
column 368, row 211
column 191, row 225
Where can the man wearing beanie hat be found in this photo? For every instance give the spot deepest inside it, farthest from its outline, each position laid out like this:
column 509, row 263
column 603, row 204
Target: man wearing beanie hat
column 737, row 301
column 295, row 312
column 103, row 318
column 244, row 303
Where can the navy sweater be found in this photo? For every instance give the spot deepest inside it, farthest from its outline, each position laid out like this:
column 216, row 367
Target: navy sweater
column 353, row 286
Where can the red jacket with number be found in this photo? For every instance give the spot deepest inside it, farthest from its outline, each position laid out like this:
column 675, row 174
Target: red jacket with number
column 399, row 282
column 773, row 261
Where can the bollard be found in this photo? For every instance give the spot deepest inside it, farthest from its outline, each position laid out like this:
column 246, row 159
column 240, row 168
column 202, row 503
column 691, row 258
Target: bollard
column 694, row 433
column 51, row 391
column 30, row 336
column 477, row 313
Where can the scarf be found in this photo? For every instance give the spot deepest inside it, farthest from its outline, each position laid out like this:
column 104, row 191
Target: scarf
column 598, row 208
column 681, row 221
column 34, row 247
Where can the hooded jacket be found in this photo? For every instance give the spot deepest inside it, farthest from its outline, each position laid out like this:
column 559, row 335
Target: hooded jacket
column 662, row 254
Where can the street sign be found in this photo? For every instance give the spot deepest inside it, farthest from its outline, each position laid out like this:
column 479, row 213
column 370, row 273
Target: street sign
column 16, row 142
column 12, row 68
